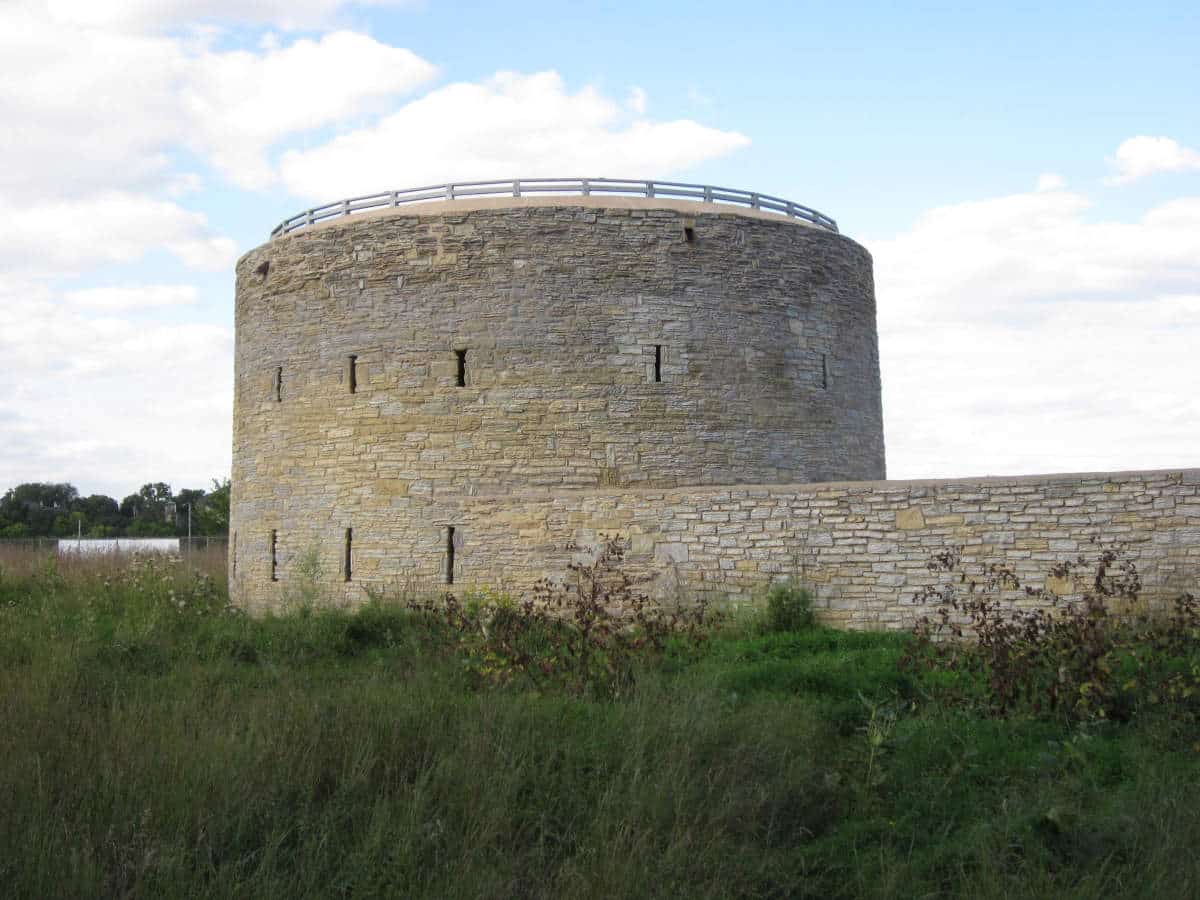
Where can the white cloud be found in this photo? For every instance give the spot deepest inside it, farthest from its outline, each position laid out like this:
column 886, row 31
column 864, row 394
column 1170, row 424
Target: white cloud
column 128, row 298
column 91, row 107
column 83, row 109
column 1141, row 156
column 1048, row 181
column 511, row 125
column 636, row 101
column 107, row 401
column 1020, row 335
column 61, row 238
column 238, row 104
column 97, row 119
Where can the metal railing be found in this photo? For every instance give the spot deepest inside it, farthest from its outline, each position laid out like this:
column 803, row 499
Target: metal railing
column 584, row 187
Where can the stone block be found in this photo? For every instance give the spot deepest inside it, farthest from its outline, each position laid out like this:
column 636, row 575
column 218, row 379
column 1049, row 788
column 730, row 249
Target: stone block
column 670, row 552
column 910, row 519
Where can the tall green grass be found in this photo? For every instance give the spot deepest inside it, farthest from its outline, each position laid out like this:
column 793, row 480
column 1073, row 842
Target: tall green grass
column 153, row 743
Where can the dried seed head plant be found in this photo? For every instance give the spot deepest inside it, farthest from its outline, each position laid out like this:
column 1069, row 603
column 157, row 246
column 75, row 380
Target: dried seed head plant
column 1098, row 656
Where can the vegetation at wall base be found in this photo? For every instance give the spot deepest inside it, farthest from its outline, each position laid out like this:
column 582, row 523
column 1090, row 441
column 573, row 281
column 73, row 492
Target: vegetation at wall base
column 1100, row 656
column 158, row 743
column 788, row 607
column 588, row 633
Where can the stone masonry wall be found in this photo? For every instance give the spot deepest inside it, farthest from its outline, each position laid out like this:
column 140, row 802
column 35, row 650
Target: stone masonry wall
column 864, row 546
column 765, row 330
column 699, row 380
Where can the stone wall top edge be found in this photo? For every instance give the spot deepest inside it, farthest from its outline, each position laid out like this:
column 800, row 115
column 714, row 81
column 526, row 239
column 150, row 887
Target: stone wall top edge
column 1189, row 475
column 439, row 208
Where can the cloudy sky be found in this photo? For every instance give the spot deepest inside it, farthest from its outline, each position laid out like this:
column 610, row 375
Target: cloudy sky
column 1028, row 180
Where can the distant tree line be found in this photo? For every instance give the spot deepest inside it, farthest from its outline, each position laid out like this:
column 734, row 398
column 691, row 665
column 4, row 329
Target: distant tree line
column 57, row 510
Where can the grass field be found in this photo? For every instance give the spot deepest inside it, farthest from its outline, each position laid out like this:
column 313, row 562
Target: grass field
column 153, row 744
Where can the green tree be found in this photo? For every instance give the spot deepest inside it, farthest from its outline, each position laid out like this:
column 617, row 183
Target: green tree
column 157, row 494
column 37, row 506
column 130, row 507
column 39, row 509
column 188, row 497
column 214, row 510
column 99, row 511
column 148, row 511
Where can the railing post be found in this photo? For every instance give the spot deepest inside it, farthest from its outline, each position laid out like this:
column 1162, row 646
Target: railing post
column 516, row 188
column 346, row 207
column 587, row 187
column 708, row 198
column 308, row 219
column 449, row 192
column 754, row 201
column 650, row 190
column 395, row 198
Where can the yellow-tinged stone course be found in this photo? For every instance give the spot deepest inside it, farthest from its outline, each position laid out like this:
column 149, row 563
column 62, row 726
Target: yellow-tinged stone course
column 910, row 518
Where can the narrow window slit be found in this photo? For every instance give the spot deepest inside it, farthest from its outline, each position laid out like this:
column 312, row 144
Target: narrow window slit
column 233, row 550
column 449, row 554
column 462, row 367
column 349, row 566
column 278, row 386
column 824, row 372
column 352, row 372
column 274, row 556
column 263, row 268
column 689, row 234
column 658, row 362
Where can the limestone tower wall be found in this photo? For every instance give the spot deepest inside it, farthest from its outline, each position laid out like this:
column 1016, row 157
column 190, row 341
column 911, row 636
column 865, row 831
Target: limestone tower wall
column 390, row 365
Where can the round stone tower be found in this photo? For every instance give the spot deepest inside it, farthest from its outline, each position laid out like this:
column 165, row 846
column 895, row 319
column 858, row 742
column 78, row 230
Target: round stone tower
column 399, row 353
